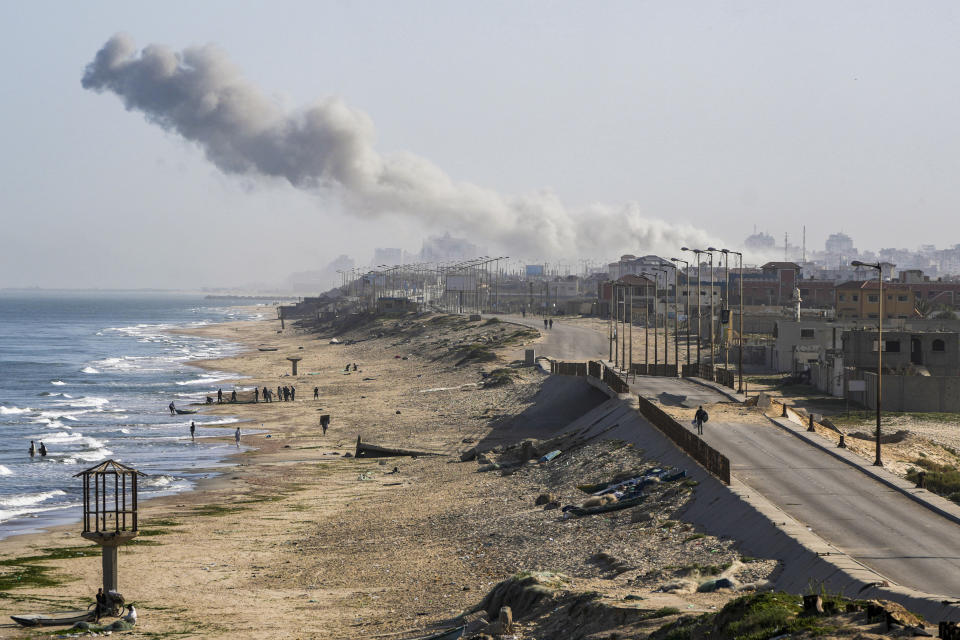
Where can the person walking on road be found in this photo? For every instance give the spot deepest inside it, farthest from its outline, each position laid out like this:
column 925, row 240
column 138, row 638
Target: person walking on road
column 700, row 417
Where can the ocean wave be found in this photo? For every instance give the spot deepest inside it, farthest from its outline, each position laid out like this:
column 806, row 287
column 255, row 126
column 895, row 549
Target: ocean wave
column 10, row 411
column 88, row 401
column 207, row 378
column 72, row 439
column 5, row 471
column 88, row 370
column 27, row 499
column 59, row 383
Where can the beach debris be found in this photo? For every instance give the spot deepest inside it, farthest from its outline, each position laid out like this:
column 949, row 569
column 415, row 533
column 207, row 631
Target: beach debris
column 545, row 498
column 334, row 341
column 550, row 456
column 365, row 450
column 366, row 475
column 398, row 411
column 468, row 455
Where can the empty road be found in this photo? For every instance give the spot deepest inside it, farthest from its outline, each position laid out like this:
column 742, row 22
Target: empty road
column 872, row 523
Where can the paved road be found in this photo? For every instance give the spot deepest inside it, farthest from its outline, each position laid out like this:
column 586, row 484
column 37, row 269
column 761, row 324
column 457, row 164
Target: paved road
column 878, row 526
column 567, row 341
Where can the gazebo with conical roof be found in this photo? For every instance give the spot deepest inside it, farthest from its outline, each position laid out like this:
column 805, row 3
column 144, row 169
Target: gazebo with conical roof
column 110, row 511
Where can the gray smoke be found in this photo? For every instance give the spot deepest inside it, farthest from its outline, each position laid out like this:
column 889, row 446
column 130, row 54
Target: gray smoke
column 201, row 96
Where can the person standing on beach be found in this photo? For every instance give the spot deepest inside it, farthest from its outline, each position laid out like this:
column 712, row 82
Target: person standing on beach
column 266, row 394
column 220, row 396
column 233, row 396
column 279, row 394
column 256, row 394
column 43, row 449
column 293, row 393
column 193, row 430
column 33, row 449
column 236, row 436
column 324, row 422
column 316, row 393
column 173, row 409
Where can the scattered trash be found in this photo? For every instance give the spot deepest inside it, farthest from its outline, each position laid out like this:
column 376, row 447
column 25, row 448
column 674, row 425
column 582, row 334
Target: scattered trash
column 550, row 456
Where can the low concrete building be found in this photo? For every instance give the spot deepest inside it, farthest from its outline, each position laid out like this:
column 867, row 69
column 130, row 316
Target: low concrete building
column 798, row 344
column 934, row 353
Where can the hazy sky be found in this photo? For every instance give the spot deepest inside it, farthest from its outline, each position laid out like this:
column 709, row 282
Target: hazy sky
column 712, row 117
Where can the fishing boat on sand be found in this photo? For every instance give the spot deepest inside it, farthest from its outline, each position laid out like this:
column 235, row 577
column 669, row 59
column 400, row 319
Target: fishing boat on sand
column 59, row 618
column 184, row 412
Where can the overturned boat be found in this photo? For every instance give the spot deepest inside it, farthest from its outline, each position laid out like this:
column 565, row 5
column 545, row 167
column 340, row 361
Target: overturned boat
column 366, row 450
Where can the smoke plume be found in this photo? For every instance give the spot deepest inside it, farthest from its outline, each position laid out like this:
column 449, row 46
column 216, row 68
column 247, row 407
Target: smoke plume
column 201, row 96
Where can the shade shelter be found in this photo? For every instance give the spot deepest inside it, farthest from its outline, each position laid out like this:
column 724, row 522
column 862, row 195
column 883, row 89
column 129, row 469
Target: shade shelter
column 110, row 512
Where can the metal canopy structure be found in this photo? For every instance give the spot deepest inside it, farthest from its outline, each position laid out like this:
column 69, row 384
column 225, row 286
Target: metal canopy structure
column 109, row 500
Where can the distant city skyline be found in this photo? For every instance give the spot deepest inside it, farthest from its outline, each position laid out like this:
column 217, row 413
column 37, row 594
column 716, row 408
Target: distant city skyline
column 565, row 129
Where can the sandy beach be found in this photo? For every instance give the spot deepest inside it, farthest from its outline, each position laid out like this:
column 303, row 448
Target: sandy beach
column 298, row 541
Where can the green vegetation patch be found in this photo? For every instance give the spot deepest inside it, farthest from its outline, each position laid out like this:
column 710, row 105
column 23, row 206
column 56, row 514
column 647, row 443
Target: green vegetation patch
column 500, row 377
column 474, row 352
column 216, row 510
column 941, row 479
column 26, row 571
column 754, row 617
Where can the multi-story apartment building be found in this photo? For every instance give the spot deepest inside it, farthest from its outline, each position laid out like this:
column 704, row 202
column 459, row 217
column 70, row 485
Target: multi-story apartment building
column 861, row 300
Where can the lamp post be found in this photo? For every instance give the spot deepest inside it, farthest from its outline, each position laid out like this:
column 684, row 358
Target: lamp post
column 713, row 361
column 686, row 271
column 740, row 329
column 856, row 263
column 676, row 319
column 697, row 253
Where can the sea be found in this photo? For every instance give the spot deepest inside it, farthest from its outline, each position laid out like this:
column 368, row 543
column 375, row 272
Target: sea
column 91, row 375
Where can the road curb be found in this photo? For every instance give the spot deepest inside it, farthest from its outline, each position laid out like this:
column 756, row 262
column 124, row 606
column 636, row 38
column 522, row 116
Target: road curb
column 894, row 483
column 733, row 395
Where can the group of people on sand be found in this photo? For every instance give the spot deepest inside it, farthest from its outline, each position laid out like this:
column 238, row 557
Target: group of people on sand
column 233, row 396
column 34, row 451
column 285, row 394
column 548, row 323
column 193, row 432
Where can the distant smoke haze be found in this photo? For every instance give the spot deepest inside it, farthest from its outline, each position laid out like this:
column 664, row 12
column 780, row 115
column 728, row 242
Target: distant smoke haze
column 200, row 95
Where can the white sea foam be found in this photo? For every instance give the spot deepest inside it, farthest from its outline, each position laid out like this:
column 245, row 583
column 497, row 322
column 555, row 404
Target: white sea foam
column 10, row 411
column 5, row 471
column 88, row 401
column 27, row 499
column 206, row 379
column 59, row 383
column 89, row 370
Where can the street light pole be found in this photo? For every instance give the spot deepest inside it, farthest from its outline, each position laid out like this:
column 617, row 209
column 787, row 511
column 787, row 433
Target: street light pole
column 713, row 360
column 686, row 271
column 697, row 253
column 856, row 263
column 740, row 329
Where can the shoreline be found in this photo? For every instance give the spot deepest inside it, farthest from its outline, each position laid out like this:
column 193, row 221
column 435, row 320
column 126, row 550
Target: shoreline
column 297, row 540
column 40, row 523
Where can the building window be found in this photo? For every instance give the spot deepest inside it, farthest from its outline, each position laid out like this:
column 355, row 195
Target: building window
column 854, row 297
column 804, row 292
column 939, row 345
column 873, row 298
column 807, row 334
column 873, row 315
column 889, row 297
column 891, row 346
column 841, row 297
column 901, row 298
